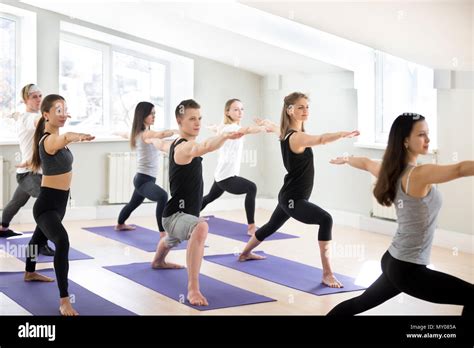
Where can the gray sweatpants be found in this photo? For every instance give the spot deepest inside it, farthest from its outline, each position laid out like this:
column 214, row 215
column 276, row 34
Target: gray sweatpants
column 28, row 186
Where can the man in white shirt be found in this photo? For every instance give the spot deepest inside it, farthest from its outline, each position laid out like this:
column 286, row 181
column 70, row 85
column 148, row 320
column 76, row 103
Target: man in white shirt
column 29, row 182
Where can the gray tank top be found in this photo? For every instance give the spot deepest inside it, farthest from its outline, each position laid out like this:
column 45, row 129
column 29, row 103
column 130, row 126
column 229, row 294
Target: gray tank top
column 416, row 223
column 147, row 157
column 59, row 163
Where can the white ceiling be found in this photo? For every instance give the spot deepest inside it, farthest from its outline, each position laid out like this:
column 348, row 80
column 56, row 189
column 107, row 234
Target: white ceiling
column 274, row 37
column 435, row 33
column 175, row 25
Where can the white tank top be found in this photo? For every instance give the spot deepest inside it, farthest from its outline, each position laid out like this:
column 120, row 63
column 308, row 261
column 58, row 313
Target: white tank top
column 230, row 155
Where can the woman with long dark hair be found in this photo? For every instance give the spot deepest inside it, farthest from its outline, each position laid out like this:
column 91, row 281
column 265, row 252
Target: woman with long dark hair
column 410, row 187
column 293, row 199
column 50, row 152
column 141, row 139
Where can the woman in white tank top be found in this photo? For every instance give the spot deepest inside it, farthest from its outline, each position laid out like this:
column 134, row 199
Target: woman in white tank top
column 226, row 175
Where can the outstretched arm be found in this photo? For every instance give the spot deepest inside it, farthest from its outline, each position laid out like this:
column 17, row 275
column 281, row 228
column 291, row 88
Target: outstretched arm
column 54, row 142
column 185, row 152
column 252, row 129
column 149, row 134
column 160, row 144
column 428, row 174
column 363, row 163
column 270, row 127
column 302, row 140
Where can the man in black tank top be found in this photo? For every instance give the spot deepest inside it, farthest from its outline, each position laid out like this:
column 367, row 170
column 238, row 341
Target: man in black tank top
column 181, row 215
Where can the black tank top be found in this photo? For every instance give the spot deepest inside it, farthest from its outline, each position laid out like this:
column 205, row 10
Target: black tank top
column 186, row 185
column 298, row 182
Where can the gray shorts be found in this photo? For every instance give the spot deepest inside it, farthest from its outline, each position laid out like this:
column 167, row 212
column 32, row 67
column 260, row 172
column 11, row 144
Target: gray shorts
column 179, row 227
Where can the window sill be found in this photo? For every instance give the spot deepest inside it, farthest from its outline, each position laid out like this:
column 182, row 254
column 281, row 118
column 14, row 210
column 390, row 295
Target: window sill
column 369, row 145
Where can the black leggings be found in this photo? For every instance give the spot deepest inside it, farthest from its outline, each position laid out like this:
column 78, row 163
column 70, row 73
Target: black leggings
column 301, row 210
column 48, row 211
column 237, row 186
column 145, row 187
column 415, row 280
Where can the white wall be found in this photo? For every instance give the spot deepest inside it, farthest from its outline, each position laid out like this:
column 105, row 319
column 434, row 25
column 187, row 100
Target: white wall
column 214, row 84
column 333, row 108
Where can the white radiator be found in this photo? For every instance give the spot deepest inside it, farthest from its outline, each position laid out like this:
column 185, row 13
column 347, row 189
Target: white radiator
column 380, row 211
column 122, row 167
column 1, row 182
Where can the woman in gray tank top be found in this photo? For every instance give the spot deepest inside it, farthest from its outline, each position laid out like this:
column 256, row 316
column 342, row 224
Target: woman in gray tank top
column 417, row 203
column 142, row 139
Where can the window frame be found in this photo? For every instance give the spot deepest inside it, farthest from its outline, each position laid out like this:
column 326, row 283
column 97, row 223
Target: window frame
column 107, row 50
column 17, row 87
column 380, row 138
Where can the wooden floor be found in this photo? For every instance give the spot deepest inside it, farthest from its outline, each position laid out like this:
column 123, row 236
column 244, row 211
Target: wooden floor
column 356, row 253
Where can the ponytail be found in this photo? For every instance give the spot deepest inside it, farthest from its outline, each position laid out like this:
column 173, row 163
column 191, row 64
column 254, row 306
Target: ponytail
column 46, row 105
column 39, row 132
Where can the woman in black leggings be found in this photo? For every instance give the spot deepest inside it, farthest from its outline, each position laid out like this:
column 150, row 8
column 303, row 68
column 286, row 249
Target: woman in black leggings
column 141, row 139
column 52, row 155
column 226, row 175
column 417, row 202
column 298, row 183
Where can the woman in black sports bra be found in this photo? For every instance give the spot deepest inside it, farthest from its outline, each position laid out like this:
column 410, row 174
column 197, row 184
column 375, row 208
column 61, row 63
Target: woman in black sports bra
column 293, row 199
column 51, row 153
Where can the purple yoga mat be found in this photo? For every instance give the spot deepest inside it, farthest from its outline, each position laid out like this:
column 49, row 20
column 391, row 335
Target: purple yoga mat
column 141, row 238
column 17, row 247
column 173, row 284
column 40, row 298
column 237, row 231
column 286, row 272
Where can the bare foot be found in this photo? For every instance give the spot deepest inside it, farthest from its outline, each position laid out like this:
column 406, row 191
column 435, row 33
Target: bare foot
column 196, row 298
column 36, row 277
column 246, row 257
column 65, row 308
column 124, row 227
column 251, row 230
column 165, row 265
column 331, row 281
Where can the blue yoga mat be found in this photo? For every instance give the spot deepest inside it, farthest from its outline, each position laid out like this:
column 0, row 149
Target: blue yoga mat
column 237, row 231
column 173, row 284
column 41, row 298
column 141, row 238
column 286, row 272
column 16, row 246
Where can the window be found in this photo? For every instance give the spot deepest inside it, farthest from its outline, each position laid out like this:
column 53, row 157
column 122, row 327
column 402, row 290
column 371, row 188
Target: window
column 8, row 75
column 103, row 83
column 402, row 86
column 81, row 83
column 136, row 79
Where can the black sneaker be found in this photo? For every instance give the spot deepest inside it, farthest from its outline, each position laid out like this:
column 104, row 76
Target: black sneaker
column 46, row 250
column 9, row 233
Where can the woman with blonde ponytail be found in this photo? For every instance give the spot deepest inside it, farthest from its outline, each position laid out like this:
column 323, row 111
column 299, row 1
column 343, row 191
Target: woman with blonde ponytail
column 50, row 153
column 28, row 181
column 293, row 199
column 226, row 175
